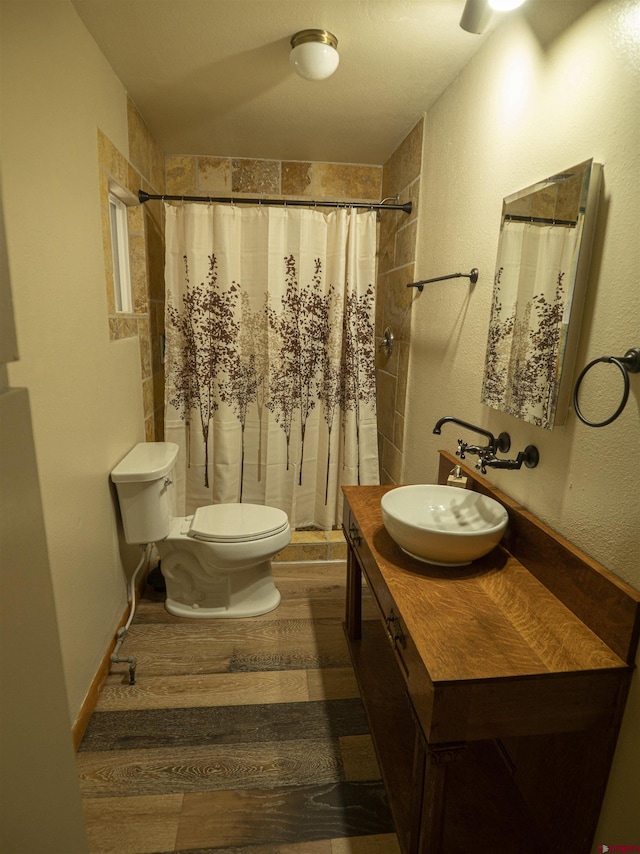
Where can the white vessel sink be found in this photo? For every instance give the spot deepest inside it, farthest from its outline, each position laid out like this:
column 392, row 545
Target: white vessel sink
column 444, row 525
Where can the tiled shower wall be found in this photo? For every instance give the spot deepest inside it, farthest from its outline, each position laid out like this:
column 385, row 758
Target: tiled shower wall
column 396, row 268
column 197, row 175
column 144, row 170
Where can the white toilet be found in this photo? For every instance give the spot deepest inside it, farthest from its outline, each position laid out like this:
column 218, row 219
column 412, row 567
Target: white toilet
column 216, row 563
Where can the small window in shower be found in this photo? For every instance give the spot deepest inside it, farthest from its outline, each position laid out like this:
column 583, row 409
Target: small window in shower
column 120, row 253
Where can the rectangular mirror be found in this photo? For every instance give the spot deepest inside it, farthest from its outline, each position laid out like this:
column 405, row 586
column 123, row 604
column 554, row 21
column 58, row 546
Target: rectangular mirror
column 546, row 232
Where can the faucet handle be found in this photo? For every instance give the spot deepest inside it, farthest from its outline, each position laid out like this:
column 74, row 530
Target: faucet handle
column 485, row 457
column 462, row 447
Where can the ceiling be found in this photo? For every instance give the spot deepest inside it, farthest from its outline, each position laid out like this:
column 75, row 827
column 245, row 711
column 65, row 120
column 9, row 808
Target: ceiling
column 212, row 77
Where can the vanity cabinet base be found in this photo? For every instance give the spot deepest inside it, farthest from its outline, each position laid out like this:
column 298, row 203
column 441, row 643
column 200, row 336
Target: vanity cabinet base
column 449, row 799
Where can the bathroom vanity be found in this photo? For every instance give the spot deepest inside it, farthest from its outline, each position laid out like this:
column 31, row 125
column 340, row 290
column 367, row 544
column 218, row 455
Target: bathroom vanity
column 494, row 691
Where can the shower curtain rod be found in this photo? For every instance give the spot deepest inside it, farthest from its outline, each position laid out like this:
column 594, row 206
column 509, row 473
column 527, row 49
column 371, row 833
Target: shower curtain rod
column 371, row 206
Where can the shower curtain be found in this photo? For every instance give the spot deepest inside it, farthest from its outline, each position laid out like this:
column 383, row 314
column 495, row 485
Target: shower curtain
column 269, row 356
column 529, row 320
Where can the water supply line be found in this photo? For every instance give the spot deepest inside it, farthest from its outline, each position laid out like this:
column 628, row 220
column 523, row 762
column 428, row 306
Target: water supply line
column 131, row 660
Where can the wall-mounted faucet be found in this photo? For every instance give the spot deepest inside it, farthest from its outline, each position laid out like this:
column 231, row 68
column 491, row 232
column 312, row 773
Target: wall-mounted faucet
column 502, row 443
column 487, row 453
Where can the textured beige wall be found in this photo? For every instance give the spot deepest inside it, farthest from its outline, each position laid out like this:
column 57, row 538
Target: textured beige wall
column 85, row 390
column 519, row 112
column 40, row 806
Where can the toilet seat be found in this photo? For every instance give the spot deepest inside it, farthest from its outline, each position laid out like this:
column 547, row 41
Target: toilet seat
column 236, row 523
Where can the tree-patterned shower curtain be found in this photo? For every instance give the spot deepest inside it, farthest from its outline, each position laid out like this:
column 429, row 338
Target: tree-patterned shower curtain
column 269, row 356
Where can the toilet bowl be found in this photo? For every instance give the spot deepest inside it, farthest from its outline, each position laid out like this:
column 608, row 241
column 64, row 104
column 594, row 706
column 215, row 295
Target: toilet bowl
column 216, row 563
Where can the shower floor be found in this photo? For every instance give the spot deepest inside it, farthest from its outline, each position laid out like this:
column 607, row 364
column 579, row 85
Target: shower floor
column 314, row 545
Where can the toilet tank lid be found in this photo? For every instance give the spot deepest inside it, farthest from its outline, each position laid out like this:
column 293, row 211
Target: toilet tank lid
column 147, row 461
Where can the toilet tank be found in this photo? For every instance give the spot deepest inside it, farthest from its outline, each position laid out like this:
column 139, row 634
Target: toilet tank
column 143, row 480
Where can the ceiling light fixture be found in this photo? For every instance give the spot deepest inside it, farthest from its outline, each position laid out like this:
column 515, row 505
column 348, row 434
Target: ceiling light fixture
column 314, row 54
column 475, row 16
column 476, row 13
column 505, row 5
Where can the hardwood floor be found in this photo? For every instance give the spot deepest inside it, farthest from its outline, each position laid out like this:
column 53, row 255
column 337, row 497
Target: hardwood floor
column 240, row 736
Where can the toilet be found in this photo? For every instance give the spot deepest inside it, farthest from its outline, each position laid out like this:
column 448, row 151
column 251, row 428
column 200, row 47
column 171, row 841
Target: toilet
column 216, row 563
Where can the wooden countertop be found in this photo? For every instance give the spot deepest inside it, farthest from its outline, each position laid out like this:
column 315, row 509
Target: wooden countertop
column 491, row 620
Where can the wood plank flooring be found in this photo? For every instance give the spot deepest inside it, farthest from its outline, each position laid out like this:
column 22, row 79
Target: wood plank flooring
column 240, row 736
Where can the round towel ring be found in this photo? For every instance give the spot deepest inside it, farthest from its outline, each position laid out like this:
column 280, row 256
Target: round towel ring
column 629, row 363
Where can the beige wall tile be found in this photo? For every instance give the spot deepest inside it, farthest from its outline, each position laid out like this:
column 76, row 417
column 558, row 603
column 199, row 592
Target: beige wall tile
column 397, row 301
column 158, row 425
column 387, row 242
column 103, row 180
column 214, row 175
column 147, row 397
column 338, row 551
column 406, row 245
column 405, row 163
column 303, row 551
column 398, row 431
column 138, row 266
column 392, row 462
column 158, row 389
column 135, row 219
column 139, row 154
column 134, row 180
column 108, row 261
column 403, row 370
column 181, row 176
column 149, row 429
column 145, row 348
column 121, row 326
column 411, row 193
column 154, row 240
column 112, row 161
column 384, row 362
column 298, row 537
column 386, row 403
column 157, row 174
column 296, row 179
column 347, row 181
column 381, row 291
column 255, row 176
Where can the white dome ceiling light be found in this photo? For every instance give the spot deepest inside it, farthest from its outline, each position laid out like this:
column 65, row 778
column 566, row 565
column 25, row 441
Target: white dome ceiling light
column 314, row 54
